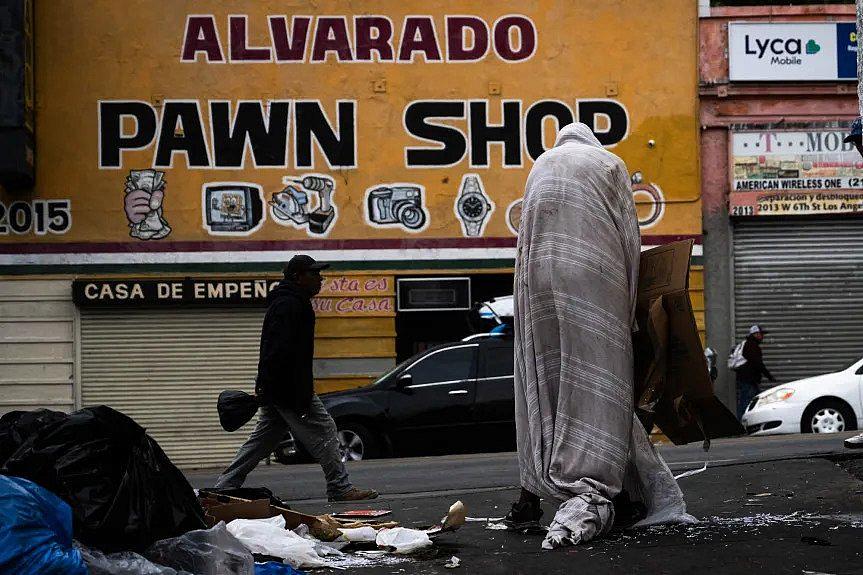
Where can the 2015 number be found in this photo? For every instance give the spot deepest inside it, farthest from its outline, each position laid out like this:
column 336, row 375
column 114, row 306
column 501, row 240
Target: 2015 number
column 39, row 216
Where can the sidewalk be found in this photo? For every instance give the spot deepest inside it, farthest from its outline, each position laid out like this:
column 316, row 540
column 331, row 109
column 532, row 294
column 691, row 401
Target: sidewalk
column 789, row 516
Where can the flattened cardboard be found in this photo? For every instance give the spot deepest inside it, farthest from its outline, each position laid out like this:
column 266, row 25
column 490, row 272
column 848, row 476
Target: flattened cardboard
column 672, row 385
column 226, row 508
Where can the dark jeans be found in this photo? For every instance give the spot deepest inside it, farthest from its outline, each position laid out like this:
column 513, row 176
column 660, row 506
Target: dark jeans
column 746, row 390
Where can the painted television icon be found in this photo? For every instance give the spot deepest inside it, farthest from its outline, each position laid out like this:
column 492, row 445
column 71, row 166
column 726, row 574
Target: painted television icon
column 233, row 208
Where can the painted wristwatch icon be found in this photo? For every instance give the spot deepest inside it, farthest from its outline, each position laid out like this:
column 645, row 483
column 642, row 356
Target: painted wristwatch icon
column 472, row 206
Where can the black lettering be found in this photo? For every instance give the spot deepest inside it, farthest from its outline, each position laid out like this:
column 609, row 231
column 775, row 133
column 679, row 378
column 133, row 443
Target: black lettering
column 618, row 121
column 535, row 120
column 453, row 141
column 482, row 134
column 268, row 137
column 338, row 148
column 190, row 141
column 112, row 141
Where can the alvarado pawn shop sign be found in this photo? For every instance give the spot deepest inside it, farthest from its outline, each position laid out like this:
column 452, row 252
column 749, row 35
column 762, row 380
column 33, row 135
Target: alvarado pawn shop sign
column 785, row 51
column 397, row 132
column 805, row 172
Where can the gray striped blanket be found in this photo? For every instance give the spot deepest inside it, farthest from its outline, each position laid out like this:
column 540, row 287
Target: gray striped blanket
column 575, row 286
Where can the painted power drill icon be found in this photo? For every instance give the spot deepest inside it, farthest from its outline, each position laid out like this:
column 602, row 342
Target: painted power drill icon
column 293, row 204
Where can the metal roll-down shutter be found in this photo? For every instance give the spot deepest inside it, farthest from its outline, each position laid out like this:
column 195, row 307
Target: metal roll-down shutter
column 166, row 367
column 803, row 282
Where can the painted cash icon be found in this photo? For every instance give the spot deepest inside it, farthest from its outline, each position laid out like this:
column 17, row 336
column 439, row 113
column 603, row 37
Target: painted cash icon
column 145, row 192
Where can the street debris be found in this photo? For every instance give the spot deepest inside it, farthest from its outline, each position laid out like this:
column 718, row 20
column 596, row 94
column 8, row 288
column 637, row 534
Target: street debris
column 360, row 534
column 270, row 537
column 452, row 521
column 453, row 563
column 402, row 540
column 362, row 514
column 496, row 527
column 213, row 551
column 134, row 512
column 36, row 530
column 124, row 492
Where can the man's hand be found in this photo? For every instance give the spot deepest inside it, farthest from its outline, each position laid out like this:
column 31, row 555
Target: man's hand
column 139, row 203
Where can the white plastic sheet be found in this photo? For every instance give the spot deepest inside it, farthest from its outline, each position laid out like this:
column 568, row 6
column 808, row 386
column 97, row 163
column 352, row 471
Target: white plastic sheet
column 360, row 534
column 403, row 540
column 269, row 537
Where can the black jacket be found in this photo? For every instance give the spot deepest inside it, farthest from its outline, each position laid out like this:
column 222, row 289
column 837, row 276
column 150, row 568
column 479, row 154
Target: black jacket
column 754, row 368
column 287, row 349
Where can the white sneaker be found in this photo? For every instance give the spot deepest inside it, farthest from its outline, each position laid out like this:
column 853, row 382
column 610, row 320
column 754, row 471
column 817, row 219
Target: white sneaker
column 855, row 442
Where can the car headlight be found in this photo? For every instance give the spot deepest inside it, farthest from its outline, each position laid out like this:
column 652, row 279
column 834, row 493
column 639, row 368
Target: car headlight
column 780, row 394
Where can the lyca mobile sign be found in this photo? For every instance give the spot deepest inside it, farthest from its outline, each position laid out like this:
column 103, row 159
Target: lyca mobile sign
column 792, row 51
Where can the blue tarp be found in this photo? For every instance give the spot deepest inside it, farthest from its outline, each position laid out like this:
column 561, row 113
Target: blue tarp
column 35, row 531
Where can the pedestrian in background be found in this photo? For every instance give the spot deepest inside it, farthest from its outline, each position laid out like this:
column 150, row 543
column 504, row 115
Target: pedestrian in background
column 749, row 373
column 285, row 386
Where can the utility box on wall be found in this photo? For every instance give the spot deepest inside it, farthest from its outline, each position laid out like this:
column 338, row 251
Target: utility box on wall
column 17, row 92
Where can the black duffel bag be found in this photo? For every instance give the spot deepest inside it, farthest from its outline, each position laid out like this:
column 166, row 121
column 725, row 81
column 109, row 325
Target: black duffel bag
column 236, row 409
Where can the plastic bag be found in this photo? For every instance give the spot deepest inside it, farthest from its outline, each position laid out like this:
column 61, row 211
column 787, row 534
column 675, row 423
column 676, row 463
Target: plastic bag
column 35, row 531
column 269, row 537
column 360, row 534
column 273, row 568
column 402, row 540
column 17, row 426
column 236, row 409
column 124, row 491
column 204, row 552
column 123, row 563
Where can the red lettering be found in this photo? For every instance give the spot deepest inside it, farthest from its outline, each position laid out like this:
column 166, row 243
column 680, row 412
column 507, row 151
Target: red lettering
column 331, row 35
column 380, row 42
column 455, row 33
column 238, row 37
column 201, row 36
column 290, row 47
column 418, row 35
column 503, row 40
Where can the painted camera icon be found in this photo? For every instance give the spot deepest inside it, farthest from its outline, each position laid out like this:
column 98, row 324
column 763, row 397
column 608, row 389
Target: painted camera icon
column 397, row 205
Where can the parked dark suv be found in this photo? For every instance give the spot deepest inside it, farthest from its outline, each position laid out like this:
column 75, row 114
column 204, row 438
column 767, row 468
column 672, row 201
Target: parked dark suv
column 455, row 397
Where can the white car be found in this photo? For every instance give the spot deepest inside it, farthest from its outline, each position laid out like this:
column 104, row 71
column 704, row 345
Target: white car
column 827, row 403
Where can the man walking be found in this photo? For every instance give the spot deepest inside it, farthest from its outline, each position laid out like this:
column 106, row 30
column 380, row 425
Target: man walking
column 285, row 386
column 749, row 374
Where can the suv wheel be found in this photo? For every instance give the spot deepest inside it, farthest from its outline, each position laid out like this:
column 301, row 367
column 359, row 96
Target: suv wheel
column 356, row 442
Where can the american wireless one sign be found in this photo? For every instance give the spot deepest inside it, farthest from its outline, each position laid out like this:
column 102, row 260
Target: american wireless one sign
column 785, row 51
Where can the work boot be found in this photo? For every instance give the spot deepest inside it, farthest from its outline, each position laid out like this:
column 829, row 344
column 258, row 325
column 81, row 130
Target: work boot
column 354, row 494
column 523, row 516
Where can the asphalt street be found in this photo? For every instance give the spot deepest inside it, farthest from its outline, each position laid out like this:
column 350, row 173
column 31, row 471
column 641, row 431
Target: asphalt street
column 465, row 473
column 786, row 504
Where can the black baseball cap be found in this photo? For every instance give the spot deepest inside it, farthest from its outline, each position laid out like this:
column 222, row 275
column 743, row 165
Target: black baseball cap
column 303, row 263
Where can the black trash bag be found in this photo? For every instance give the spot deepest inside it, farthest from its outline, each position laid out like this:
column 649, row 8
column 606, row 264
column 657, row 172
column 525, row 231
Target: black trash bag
column 204, row 552
column 124, row 491
column 236, row 409
column 17, row 426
